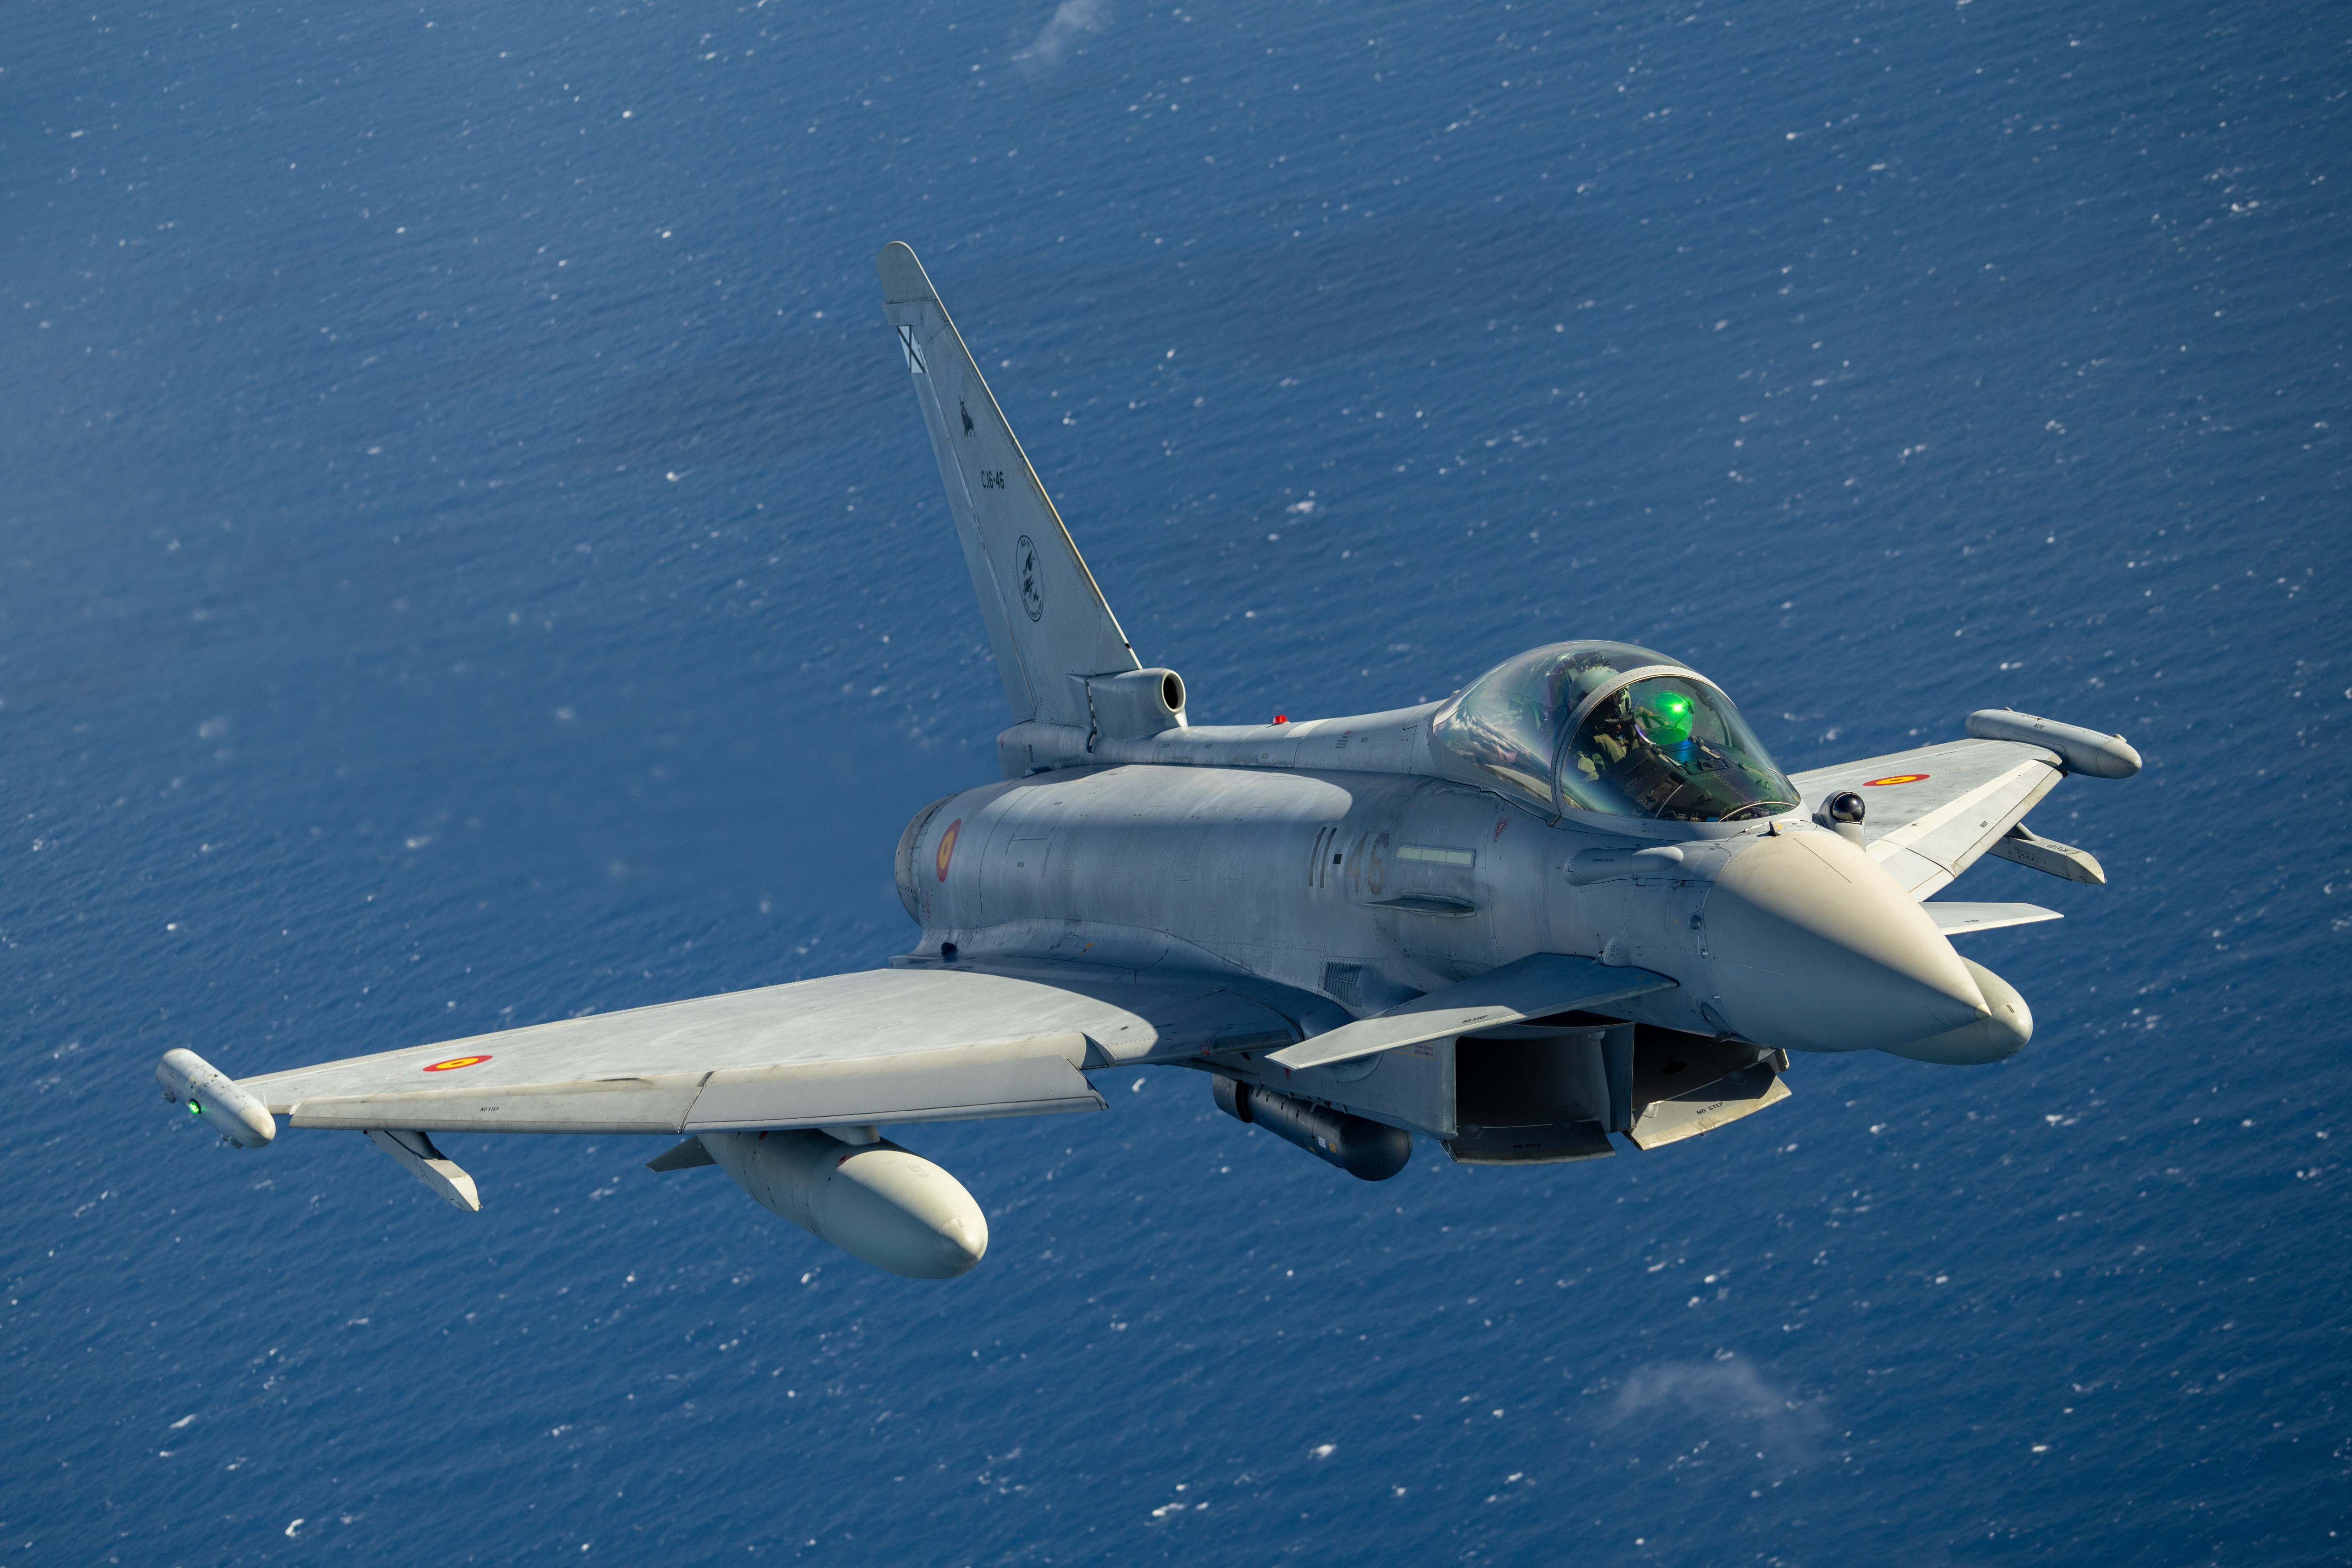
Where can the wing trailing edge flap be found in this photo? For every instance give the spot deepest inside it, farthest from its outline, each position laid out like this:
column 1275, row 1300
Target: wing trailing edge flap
column 1031, row 1076
column 1534, row 986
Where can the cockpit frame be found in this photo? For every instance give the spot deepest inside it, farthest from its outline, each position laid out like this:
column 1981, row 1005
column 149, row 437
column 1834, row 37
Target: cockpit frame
column 1646, row 772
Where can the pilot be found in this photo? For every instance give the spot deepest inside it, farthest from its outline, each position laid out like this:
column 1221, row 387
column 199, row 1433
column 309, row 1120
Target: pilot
column 1605, row 737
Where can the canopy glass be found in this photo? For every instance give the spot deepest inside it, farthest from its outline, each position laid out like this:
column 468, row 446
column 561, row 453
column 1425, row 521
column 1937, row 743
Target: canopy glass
column 1614, row 730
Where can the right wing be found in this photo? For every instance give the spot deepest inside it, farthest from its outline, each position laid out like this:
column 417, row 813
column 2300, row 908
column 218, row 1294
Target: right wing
column 927, row 1041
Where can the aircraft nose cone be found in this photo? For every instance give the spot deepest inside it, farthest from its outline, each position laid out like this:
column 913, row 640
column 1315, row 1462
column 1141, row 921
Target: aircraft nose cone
column 1815, row 948
column 2001, row 1033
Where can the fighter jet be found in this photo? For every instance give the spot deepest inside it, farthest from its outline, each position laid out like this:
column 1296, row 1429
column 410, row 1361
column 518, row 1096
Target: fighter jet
column 1572, row 907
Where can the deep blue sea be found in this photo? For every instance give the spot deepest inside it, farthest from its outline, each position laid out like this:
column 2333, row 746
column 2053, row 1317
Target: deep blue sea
column 468, row 556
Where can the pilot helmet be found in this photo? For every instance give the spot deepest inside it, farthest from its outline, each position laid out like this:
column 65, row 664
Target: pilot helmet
column 1665, row 718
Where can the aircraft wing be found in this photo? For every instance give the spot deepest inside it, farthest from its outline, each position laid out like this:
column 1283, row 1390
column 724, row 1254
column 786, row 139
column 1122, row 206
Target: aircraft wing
column 923, row 1042
column 1931, row 812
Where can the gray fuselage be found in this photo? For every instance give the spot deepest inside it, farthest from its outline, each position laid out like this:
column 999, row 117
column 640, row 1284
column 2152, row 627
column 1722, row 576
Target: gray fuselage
column 1323, row 856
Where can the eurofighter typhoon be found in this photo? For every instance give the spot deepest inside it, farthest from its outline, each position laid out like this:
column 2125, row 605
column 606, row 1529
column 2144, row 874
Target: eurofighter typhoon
column 1573, row 904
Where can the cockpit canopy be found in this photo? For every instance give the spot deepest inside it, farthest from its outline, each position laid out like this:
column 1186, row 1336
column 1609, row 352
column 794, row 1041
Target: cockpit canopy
column 1615, row 730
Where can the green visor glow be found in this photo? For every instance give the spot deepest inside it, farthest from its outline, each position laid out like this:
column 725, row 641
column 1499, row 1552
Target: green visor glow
column 1611, row 729
column 1666, row 719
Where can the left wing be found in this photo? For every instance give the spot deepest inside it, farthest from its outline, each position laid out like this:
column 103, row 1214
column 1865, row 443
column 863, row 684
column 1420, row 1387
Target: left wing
column 1931, row 812
column 930, row 1042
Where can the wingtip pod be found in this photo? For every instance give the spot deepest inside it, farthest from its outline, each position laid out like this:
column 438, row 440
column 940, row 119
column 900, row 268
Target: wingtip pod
column 213, row 1096
column 2083, row 750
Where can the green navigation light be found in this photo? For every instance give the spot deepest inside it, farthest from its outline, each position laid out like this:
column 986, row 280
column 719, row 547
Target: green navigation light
column 194, row 1109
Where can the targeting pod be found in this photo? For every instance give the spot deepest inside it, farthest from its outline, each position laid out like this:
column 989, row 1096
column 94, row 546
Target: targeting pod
column 874, row 1201
column 1365, row 1150
column 214, row 1097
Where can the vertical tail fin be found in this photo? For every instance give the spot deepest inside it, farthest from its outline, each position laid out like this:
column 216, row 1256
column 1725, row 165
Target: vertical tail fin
column 1047, row 623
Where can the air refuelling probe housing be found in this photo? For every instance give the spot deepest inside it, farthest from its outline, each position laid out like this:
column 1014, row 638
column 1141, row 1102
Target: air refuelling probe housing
column 1572, row 905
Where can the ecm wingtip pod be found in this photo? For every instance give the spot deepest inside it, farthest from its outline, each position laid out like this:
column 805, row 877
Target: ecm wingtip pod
column 213, row 1096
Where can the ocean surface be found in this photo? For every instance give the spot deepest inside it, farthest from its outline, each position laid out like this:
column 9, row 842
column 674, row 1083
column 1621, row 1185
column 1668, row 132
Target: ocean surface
column 468, row 556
